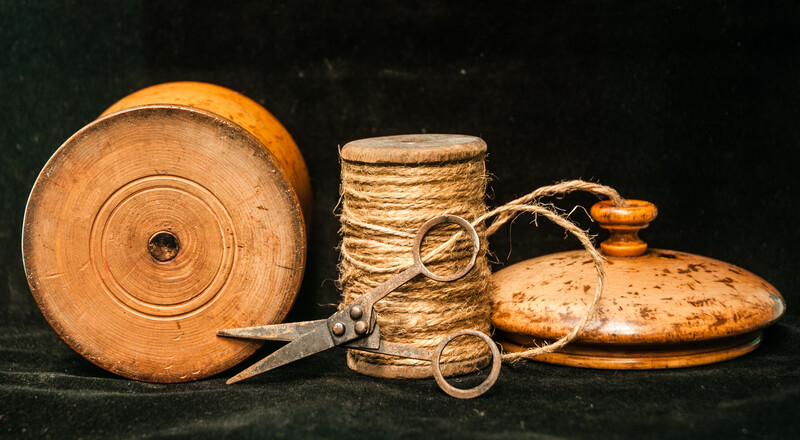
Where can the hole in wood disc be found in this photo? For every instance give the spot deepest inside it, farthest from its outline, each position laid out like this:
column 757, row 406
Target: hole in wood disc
column 163, row 246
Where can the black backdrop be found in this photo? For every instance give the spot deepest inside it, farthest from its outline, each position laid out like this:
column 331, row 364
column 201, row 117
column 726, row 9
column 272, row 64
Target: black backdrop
column 691, row 105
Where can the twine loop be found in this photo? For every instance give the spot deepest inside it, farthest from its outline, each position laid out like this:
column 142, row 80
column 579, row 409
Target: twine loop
column 382, row 207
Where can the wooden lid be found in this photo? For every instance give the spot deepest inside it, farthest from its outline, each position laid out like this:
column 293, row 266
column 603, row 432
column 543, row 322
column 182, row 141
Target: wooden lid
column 661, row 297
column 152, row 228
column 414, row 149
column 658, row 297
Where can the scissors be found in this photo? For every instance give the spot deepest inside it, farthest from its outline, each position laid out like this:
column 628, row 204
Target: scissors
column 355, row 326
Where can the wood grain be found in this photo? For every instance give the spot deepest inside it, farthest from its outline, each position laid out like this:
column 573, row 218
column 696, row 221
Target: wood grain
column 105, row 272
column 623, row 224
column 414, row 148
column 659, row 298
column 240, row 110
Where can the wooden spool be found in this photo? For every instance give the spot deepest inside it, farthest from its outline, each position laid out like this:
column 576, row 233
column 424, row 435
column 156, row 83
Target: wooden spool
column 179, row 212
column 414, row 150
column 660, row 308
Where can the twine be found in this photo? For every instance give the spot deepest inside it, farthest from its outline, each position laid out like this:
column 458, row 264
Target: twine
column 383, row 206
column 529, row 203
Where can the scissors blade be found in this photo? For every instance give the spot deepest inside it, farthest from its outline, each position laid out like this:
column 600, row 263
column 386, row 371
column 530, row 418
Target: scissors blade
column 277, row 332
column 317, row 339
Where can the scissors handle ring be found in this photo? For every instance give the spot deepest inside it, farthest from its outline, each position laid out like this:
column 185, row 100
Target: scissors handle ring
column 467, row 393
column 473, row 235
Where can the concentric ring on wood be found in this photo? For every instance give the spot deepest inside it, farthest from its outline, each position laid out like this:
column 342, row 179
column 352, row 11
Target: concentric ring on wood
column 174, row 170
column 130, row 218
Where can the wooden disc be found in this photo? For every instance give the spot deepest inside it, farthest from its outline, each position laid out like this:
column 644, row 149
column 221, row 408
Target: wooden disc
column 154, row 227
column 414, row 149
column 661, row 297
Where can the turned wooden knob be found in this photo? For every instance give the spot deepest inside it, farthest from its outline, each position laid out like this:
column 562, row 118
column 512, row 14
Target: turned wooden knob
column 624, row 223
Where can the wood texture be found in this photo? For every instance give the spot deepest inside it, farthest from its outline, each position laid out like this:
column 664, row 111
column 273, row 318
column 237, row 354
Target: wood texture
column 414, row 148
column 240, row 110
column 152, row 228
column 623, row 224
column 660, row 297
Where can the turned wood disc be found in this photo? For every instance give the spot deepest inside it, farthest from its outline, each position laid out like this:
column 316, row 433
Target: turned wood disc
column 414, row 149
column 659, row 309
column 154, row 227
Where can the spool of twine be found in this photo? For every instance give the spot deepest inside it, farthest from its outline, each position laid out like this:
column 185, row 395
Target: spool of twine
column 390, row 187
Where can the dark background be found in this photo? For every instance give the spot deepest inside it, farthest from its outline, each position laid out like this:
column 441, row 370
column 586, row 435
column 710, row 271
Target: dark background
column 691, row 105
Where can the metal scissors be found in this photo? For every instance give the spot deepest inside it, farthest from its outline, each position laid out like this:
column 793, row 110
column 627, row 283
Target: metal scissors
column 355, row 326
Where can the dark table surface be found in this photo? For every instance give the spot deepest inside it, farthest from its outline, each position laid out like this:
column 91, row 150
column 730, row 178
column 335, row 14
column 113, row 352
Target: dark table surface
column 694, row 106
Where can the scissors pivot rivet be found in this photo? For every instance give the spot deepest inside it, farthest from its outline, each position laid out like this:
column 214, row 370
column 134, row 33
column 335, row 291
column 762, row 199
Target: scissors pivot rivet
column 356, row 312
column 361, row 327
column 338, row 329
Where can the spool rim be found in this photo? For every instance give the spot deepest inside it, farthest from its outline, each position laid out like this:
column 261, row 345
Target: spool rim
column 414, row 149
column 422, row 371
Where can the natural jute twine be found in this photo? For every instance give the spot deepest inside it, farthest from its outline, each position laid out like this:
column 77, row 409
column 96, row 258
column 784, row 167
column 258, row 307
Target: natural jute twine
column 383, row 206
